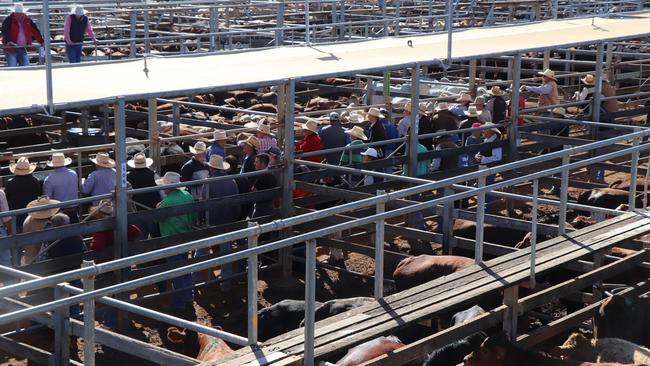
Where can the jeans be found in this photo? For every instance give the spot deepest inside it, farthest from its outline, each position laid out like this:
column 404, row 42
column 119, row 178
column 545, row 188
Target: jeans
column 74, row 53
column 184, row 297
column 17, row 57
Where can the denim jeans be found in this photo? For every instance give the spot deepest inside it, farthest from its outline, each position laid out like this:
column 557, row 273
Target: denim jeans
column 74, row 53
column 185, row 297
column 17, row 57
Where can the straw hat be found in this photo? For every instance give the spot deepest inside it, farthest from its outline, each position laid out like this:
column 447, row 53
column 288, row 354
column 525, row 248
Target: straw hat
column 559, row 111
column 375, row 113
column 22, row 167
column 59, row 160
column 496, row 91
column 472, row 111
column 251, row 141
column 216, row 162
column 422, row 109
column 371, row 152
column 311, row 125
column 357, row 132
column 219, row 135
column 464, row 98
column 265, row 129
column 140, row 160
column 589, row 79
column 169, row 178
column 78, row 10
column 102, row 159
column 442, row 106
column 495, row 129
column 104, row 208
column 479, row 100
column 198, row 148
column 250, row 124
column 44, row 214
column 18, row 8
column 548, row 73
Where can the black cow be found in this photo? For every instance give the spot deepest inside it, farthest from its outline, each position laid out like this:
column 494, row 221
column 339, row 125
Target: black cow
column 281, row 318
column 624, row 317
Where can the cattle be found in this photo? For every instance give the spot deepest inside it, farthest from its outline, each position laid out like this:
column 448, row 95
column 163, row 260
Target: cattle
column 198, row 345
column 606, row 198
column 527, row 240
column 498, row 351
column 264, row 107
column 338, row 306
column 624, row 317
column 581, row 222
column 413, row 271
column 321, row 104
column 625, row 184
column 280, row 318
column 371, row 349
column 578, row 347
column 491, row 234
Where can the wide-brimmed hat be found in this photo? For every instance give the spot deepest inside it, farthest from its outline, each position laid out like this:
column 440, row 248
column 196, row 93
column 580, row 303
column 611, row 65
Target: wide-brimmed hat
column 250, row 124
column 464, row 98
column 357, row 132
column 265, row 129
column 169, row 178
column 493, row 127
column 140, row 160
column 311, row 125
column 102, row 159
column 219, row 135
column 560, row 111
column 479, row 100
column 198, row 148
column 496, row 91
column 442, row 106
column 422, row 109
column 251, row 141
column 375, row 113
column 548, row 73
column 372, row 152
column 216, row 162
column 103, row 208
column 46, row 213
column 18, row 8
column 78, row 10
column 589, row 79
column 22, row 167
column 59, row 160
column 472, row 111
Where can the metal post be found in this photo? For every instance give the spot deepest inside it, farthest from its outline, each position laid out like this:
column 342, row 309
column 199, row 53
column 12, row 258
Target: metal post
column 279, row 33
column 89, row 318
column 85, row 119
column 415, row 121
column 597, row 174
column 547, row 59
column 61, row 330
column 176, row 120
column 121, row 246
column 80, row 170
column 398, row 5
column 480, row 219
column 430, row 14
column 252, row 289
column 154, row 134
column 645, row 184
column 634, row 171
column 564, row 193
column 511, row 299
column 447, row 222
column 307, row 40
column 48, row 57
column 554, row 11
column 450, row 28
column 379, row 250
column 286, row 107
column 147, row 42
column 533, row 233
column 105, row 123
column 385, row 18
column 387, row 101
column 513, row 128
column 342, row 19
column 310, row 299
column 132, row 34
column 214, row 27
column 472, row 77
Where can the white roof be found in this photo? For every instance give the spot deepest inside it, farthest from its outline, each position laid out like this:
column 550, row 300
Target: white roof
column 24, row 88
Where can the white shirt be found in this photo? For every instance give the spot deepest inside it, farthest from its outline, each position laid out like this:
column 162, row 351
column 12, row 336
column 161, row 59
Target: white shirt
column 403, row 126
column 496, row 152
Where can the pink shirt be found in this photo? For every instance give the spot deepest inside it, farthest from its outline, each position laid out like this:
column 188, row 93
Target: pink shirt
column 21, row 40
column 66, row 30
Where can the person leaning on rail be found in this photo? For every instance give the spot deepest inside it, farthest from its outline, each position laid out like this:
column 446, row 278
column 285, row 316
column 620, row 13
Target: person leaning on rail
column 18, row 31
column 75, row 27
column 548, row 91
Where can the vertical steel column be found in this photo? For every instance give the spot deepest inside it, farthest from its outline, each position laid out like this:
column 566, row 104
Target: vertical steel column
column 335, row 28
column 342, row 19
column 279, row 20
column 121, row 246
column 133, row 20
column 554, row 10
column 634, row 171
column 310, row 299
column 472, row 77
column 547, row 59
column 307, row 39
column 513, row 128
column 84, row 119
column 80, row 170
column 176, row 120
column 398, row 5
column 533, row 233
column 511, row 299
column 387, row 100
column 645, row 184
column 480, row 219
column 564, row 193
column 385, row 18
column 61, row 330
column 599, row 173
column 48, row 57
column 450, row 28
column 379, row 250
column 89, row 318
column 214, row 27
column 154, row 134
column 252, row 289
column 447, row 222
column 430, row 14
column 105, row 123
column 147, row 42
column 609, row 57
column 286, row 105
column 415, row 121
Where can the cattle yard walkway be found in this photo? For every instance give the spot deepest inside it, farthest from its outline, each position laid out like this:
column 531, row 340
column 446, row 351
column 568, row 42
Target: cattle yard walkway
column 442, row 295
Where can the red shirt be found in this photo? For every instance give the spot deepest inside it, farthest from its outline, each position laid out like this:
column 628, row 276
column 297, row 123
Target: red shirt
column 103, row 239
column 11, row 28
column 310, row 143
column 522, row 105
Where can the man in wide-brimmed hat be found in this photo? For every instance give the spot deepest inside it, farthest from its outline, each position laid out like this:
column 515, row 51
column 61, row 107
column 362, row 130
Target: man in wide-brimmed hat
column 62, row 183
column 18, row 31
column 333, row 136
column 472, row 116
column 496, row 104
column 463, row 102
column 76, row 25
column 265, row 138
column 23, row 187
column 195, row 169
column 391, row 134
column 548, row 92
column 102, row 180
column 352, row 156
column 376, row 132
column 405, row 123
column 490, row 155
column 141, row 176
column 486, row 116
column 310, row 141
column 218, row 147
column 37, row 221
column 249, row 147
column 443, row 120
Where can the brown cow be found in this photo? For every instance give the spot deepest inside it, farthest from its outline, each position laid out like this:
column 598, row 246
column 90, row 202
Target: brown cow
column 198, row 345
column 498, row 351
column 371, row 349
column 491, row 234
column 413, row 271
column 624, row 317
column 625, row 184
column 606, row 198
column 578, row 347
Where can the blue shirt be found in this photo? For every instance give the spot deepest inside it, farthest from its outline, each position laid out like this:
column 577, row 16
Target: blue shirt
column 331, row 137
column 215, row 149
column 223, row 212
column 391, row 133
column 61, row 185
column 101, row 181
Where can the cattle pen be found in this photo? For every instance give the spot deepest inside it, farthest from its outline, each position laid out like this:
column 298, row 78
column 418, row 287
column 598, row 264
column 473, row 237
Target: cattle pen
column 390, row 54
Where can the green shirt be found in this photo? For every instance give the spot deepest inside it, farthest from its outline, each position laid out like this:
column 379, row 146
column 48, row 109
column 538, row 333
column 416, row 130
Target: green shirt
column 176, row 224
column 422, row 167
column 356, row 154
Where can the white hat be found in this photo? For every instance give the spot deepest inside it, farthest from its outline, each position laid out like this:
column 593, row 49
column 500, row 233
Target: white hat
column 311, row 125
column 44, row 214
column 250, row 124
column 219, row 135
column 78, row 10
column 479, row 100
column 22, row 167
column 421, row 108
column 495, row 129
column 357, row 132
column 589, row 79
column 375, row 113
column 216, row 162
column 442, row 106
column 548, row 73
column 265, row 129
column 370, row 152
column 18, row 8
column 140, row 160
column 59, row 160
column 496, row 91
column 472, row 111
column 102, row 159
column 198, row 148
column 170, row 178
column 464, row 98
